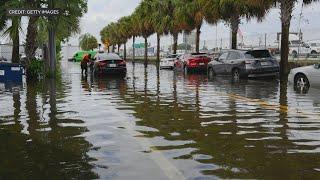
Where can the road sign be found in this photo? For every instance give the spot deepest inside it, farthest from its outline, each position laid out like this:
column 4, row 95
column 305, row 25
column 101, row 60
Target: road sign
column 34, row 12
column 140, row 45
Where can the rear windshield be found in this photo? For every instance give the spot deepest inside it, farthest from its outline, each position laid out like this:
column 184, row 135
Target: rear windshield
column 199, row 55
column 172, row 56
column 257, row 54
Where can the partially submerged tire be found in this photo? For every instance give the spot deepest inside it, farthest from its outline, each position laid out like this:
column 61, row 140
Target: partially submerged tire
column 211, row 73
column 301, row 82
column 236, row 74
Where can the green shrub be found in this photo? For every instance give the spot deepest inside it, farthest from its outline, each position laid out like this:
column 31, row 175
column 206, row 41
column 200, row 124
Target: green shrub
column 35, row 69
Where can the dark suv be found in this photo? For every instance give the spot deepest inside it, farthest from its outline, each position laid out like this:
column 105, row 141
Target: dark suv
column 244, row 63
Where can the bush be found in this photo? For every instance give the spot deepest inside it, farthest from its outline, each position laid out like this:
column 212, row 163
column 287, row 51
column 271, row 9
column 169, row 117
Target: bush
column 35, row 69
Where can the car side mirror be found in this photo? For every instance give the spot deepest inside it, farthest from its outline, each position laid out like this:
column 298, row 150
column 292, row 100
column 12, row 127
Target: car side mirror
column 216, row 59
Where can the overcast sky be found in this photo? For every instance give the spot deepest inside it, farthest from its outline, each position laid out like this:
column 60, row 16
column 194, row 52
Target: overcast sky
column 102, row 12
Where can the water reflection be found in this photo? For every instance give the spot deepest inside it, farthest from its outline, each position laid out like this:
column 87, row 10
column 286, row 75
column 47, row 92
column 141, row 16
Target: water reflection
column 36, row 143
column 139, row 126
column 231, row 129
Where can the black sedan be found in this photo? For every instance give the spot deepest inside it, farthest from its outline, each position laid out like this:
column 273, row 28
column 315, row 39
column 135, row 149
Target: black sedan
column 109, row 63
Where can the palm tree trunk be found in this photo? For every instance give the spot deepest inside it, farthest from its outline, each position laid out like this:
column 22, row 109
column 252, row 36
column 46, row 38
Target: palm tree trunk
column 198, row 39
column 286, row 12
column 108, row 49
column 235, row 21
column 133, row 49
column 145, row 51
column 158, row 48
column 15, row 50
column 125, row 51
column 119, row 45
column 175, row 43
column 113, row 48
column 31, row 44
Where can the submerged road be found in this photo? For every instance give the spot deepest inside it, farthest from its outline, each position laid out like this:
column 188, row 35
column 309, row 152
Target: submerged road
column 159, row 125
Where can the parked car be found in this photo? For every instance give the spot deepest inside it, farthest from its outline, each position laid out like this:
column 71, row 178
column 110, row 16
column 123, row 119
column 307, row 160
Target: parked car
column 315, row 48
column 169, row 61
column 305, row 77
column 109, row 63
column 193, row 61
column 296, row 47
column 244, row 63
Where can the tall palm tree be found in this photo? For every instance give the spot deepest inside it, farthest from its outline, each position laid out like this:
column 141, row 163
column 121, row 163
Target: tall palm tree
column 13, row 32
column 232, row 11
column 144, row 24
column 191, row 13
column 286, row 8
column 160, row 20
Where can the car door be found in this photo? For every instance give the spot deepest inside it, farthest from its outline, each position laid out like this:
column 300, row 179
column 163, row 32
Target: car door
column 314, row 76
column 218, row 65
column 231, row 61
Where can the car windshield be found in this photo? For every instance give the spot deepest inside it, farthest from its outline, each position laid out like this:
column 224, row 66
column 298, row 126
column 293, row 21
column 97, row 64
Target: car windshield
column 172, row 56
column 107, row 56
column 257, row 54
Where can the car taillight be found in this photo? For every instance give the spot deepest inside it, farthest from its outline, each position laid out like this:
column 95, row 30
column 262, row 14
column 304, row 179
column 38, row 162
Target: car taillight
column 102, row 64
column 123, row 62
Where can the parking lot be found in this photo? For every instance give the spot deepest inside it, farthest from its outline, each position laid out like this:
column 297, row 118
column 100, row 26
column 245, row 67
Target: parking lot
column 161, row 124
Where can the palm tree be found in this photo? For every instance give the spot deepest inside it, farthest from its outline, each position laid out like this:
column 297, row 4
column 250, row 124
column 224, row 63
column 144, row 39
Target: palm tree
column 191, row 13
column 160, row 19
column 233, row 11
column 144, row 24
column 13, row 32
column 286, row 8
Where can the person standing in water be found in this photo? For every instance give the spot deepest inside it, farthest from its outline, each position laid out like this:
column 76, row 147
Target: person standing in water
column 84, row 63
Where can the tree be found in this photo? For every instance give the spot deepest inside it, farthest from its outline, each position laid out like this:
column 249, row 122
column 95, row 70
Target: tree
column 232, row 11
column 13, row 30
column 286, row 8
column 160, row 18
column 88, row 42
column 144, row 24
column 191, row 13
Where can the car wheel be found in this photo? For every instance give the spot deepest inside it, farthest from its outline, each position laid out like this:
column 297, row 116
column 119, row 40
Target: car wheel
column 186, row 69
column 294, row 54
column 301, row 81
column 95, row 71
column 236, row 74
column 211, row 73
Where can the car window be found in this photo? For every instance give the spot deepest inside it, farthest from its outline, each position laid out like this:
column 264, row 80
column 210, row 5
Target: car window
column 223, row 56
column 257, row 54
column 234, row 56
column 172, row 56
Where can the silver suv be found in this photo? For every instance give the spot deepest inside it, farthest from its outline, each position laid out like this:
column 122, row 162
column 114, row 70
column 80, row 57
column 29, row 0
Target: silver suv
column 244, row 63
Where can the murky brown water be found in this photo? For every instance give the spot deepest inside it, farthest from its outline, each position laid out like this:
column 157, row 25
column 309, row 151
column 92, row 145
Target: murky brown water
column 159, row 125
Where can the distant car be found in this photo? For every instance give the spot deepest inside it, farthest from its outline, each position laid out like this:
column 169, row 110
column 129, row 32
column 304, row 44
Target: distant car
column 244, row 63
column 109, row 63
column 78, row 56
column 193, row 61
column 169, row 61
column 305, row 77
column 315, row 48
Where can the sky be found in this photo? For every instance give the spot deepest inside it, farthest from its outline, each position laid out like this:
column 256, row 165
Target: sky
column 102, row 12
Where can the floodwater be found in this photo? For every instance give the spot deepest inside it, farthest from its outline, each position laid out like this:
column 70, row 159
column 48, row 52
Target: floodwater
column 158, row 125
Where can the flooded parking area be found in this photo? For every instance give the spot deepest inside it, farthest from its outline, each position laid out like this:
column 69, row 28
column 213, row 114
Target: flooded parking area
column 158, row 124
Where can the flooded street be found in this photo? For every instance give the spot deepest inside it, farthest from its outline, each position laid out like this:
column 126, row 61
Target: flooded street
column 159, row 125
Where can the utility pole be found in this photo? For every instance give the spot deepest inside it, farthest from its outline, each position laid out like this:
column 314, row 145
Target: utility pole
column 52, row 44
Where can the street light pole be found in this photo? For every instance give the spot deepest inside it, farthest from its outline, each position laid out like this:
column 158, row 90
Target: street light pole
column 52, row 44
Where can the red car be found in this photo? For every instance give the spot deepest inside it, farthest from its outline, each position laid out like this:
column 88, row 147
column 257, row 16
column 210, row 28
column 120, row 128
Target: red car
column 193, row 61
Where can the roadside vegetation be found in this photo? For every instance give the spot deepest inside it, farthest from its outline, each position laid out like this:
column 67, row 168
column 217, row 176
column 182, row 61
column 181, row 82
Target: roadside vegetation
column 88, row 42
column 65, row 26
column 163, row 17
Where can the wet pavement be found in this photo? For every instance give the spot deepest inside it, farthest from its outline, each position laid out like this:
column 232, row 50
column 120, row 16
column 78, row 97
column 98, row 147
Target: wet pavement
column 159, row 125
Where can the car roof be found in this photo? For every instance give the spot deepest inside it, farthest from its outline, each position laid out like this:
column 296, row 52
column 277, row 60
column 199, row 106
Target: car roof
column 107, row 56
